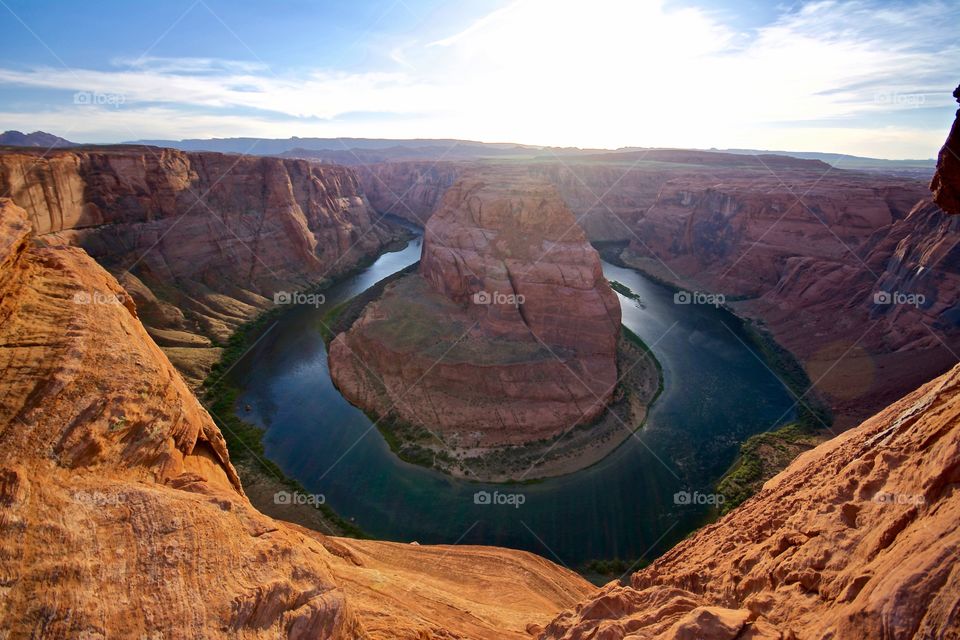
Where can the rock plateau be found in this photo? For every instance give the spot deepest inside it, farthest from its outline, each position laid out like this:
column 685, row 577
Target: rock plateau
column 507, row 334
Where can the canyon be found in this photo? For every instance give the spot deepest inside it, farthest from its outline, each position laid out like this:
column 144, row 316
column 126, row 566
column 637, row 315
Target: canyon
column 123, row 514
column 801, row 247
column 508, row 333
column 200, row 241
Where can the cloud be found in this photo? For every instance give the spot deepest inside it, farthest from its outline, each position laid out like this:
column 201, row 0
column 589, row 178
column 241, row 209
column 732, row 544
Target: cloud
column 606, row 73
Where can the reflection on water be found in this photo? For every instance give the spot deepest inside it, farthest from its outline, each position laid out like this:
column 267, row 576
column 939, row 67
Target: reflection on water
column 716, row 394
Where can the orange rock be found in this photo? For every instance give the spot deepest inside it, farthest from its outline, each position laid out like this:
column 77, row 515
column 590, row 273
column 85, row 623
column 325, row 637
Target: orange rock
column 121, row 515
column 856, row 539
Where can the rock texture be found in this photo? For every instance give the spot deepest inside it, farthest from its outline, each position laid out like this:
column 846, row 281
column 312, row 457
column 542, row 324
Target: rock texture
column 200, row 240
column 856, row 539
column 808, row 244
column 410, row 190
column 122, row 516
column 859, row 279
column 946, row 182
column 507, row 335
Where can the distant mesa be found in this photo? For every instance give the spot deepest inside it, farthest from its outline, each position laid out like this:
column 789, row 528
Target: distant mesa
column 35, row 139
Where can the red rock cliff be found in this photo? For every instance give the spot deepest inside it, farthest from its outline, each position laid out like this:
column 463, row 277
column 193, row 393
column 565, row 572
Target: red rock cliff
column 200, row 240
column 856, row 539
column 507, row 335
column 946, row 182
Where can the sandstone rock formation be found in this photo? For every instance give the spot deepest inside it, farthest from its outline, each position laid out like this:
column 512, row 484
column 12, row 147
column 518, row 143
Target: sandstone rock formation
column 946, row 182
column 808, row 244
column 856, row 539
column 411, row 190
column 200, row 240
column 814, row 257
column 122, row 516
column 507, row 335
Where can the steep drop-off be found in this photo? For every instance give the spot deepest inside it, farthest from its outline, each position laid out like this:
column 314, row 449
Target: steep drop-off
column 122, row 516
column 507, row 335
column 856, row 539
column 861, row 288
column 810, row 245
column 201, row 241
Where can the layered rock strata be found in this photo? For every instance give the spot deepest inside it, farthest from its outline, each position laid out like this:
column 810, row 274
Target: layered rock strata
column 856, row 539
column 201, row 241
column 508, row 333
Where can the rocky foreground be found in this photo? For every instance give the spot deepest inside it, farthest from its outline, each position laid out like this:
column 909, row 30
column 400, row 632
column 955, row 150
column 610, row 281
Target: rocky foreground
column 122, row 516
column 857, row 538
column 508, row 333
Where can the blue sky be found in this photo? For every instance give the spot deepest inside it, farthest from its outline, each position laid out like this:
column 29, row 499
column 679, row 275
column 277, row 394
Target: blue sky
column 865, row 77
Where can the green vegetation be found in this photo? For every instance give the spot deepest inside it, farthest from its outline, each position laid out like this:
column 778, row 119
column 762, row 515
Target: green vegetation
column 602, row 571
column 812, row 412
column 625, row 291
column 219, row 396
column 341, row 317
column 761, row 457
column 245, row 440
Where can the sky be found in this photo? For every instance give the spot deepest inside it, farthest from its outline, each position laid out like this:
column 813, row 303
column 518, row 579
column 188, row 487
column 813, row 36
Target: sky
column 866, row 77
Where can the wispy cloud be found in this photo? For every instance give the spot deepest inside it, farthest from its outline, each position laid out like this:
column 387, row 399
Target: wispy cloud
column 604, row 73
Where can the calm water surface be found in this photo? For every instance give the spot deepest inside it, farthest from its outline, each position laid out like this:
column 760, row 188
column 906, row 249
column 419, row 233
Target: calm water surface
column 716, row 394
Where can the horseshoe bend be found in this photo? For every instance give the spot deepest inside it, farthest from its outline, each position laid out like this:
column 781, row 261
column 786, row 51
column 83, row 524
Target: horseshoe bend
column 649, row 381
column 507, row 334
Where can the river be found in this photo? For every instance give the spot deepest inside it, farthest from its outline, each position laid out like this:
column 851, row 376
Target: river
column 716, row 394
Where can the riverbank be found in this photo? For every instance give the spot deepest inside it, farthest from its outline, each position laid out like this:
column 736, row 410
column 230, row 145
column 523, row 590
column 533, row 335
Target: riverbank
column 640, row 382
column 763, row 455
column 270, row 490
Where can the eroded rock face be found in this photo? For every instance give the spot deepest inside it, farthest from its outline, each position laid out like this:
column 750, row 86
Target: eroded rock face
column 832, row 264
column 122, row 516
column 507, row 335
column 856, row 539
column 201, row 240
column 409, row 189
column 946, row 182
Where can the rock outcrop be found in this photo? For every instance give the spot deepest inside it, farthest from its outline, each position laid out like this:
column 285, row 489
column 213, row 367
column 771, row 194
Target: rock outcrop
column 202, row 241
column 946, row 182
column 507, row 335
column 856, row 539
column 122, row 516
